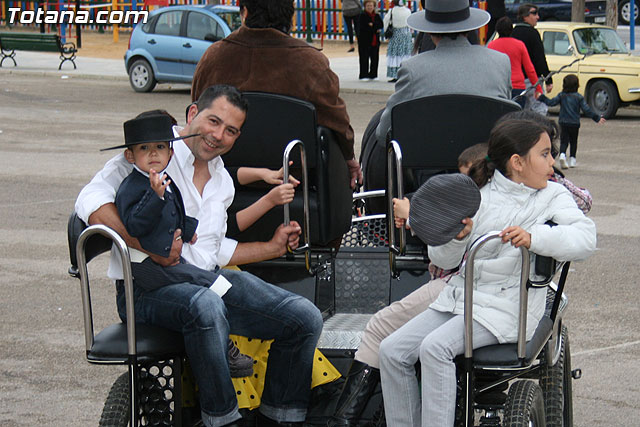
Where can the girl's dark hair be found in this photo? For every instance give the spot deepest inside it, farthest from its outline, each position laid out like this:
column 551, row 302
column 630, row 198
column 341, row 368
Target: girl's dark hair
column 276, row 14
column 504, row 27
column 570, row 83
column 549, row 125
column 507, row 138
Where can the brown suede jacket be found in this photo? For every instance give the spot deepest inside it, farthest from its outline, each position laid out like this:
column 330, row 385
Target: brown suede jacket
column 267, row 60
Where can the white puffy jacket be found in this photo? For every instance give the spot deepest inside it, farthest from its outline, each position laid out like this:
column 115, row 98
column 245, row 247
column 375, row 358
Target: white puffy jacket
column 497, row 266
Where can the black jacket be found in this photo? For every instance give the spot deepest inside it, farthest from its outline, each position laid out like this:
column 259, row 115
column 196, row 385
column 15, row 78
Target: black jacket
column 531, row 39
column 368, row 32
column 150, row 219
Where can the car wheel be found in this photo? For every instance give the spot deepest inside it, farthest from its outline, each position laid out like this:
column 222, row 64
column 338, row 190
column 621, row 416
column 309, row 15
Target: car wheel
column 625, row 11
column 603, row 98
column 141, row 76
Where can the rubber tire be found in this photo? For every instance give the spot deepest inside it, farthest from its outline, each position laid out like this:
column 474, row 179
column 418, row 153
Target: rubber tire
column 524, row 406
column 625, row 6
column 141, row 76
column 116, row 407
column 555, row 382
column 603, row 98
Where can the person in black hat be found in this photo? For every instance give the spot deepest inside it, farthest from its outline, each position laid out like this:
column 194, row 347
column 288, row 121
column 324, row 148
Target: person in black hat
column 151, row 209
column 454, row 66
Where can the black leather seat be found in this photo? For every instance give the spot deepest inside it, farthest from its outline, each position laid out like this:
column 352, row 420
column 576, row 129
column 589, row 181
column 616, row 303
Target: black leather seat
column 432, row 132
column 272, row 122
column 154, row 360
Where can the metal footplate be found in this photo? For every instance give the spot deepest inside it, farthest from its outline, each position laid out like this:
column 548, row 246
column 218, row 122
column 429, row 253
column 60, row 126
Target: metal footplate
column 343, row 331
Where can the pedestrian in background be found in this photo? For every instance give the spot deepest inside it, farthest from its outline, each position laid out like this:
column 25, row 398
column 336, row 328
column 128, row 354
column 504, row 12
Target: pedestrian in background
column 400, row 44
column 351, row 10
column 519, row 57
column 369, row 41
column 571, row 102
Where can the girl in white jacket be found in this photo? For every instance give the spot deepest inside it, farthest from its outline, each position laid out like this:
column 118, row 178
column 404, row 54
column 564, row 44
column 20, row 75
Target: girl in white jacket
column 518, row 199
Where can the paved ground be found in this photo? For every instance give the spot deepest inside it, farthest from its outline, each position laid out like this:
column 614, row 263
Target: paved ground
column 51, row 129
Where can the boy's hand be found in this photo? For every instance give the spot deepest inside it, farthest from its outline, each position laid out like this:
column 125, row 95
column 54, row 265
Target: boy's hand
column 517, row 235
column 275, row 177
column 468, row 225
column 158, row 183
column 194, row 239
column 282, row 194
column 401, row 209
column 601, row 121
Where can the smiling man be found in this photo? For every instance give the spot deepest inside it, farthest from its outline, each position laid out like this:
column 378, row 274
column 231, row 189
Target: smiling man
column 250, row 306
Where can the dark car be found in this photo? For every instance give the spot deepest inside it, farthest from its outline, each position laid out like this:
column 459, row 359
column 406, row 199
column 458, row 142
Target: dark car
column 559, row 10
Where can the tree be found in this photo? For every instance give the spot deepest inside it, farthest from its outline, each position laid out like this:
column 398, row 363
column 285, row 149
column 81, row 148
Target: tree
column 577, row 11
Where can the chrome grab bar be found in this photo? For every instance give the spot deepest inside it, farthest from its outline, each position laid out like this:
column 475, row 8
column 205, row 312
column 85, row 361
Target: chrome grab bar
column 305, row 194
column 468, row 296
column 123, row 251
column 394, row 153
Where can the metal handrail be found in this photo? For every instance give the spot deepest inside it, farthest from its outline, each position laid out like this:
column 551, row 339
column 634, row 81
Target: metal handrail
column 394, row 153
column 305, row 194
column 123, row 251
column 468, row 296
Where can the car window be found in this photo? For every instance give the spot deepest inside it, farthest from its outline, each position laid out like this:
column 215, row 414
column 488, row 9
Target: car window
column 168, row 23
column 598, row 40
column 199, row 25
column 556, row 43
column 232, row 19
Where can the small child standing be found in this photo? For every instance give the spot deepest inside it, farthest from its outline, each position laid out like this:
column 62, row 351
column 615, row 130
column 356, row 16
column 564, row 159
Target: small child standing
column 571, row 102
column 151, row 209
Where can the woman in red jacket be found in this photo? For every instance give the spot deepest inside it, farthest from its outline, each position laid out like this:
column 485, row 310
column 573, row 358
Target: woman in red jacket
column 519, row 57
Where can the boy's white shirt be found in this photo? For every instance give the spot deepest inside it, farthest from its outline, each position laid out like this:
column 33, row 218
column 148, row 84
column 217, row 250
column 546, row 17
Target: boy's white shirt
column 212, row 247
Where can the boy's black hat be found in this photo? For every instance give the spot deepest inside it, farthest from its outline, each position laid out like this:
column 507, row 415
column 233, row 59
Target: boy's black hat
column 439, row 206
column 143, row 130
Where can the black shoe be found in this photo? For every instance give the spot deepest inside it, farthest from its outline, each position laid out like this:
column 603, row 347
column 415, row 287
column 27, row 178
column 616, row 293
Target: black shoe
column 393, row 80
column 362, row 381
column 264, row 421
column 240, row 365
column 351, row 49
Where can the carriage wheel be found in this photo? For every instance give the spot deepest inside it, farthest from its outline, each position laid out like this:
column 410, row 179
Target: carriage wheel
column 524, row 406
column 555, row 382
column 116, row 407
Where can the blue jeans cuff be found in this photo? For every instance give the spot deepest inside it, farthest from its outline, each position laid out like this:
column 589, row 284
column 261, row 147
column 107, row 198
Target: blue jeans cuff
column 290, row 415
column 217, row 421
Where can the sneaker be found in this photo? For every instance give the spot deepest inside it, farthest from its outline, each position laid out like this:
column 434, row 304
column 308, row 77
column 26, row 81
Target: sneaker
column 351, row 49
column 393, row 80
column 240, row 365
column 572, row 162
column 563, row 161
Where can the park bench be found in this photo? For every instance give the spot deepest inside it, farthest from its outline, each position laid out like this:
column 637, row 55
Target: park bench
column 10, row 42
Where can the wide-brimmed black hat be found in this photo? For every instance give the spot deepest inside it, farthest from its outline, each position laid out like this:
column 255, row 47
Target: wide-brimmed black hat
column 448, row 16
column 142, row 130
column 440, row 205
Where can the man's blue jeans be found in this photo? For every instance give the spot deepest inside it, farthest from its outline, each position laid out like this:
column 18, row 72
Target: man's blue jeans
column 251, row 308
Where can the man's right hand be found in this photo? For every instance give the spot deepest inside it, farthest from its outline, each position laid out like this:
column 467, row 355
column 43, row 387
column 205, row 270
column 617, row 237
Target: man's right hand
column 174, row 254
column 286, row 237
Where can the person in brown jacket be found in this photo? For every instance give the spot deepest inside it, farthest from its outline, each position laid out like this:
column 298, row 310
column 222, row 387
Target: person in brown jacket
column 262, row 56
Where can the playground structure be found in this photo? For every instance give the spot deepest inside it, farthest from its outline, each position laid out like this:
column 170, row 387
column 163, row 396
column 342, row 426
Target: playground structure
column 313, row 19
